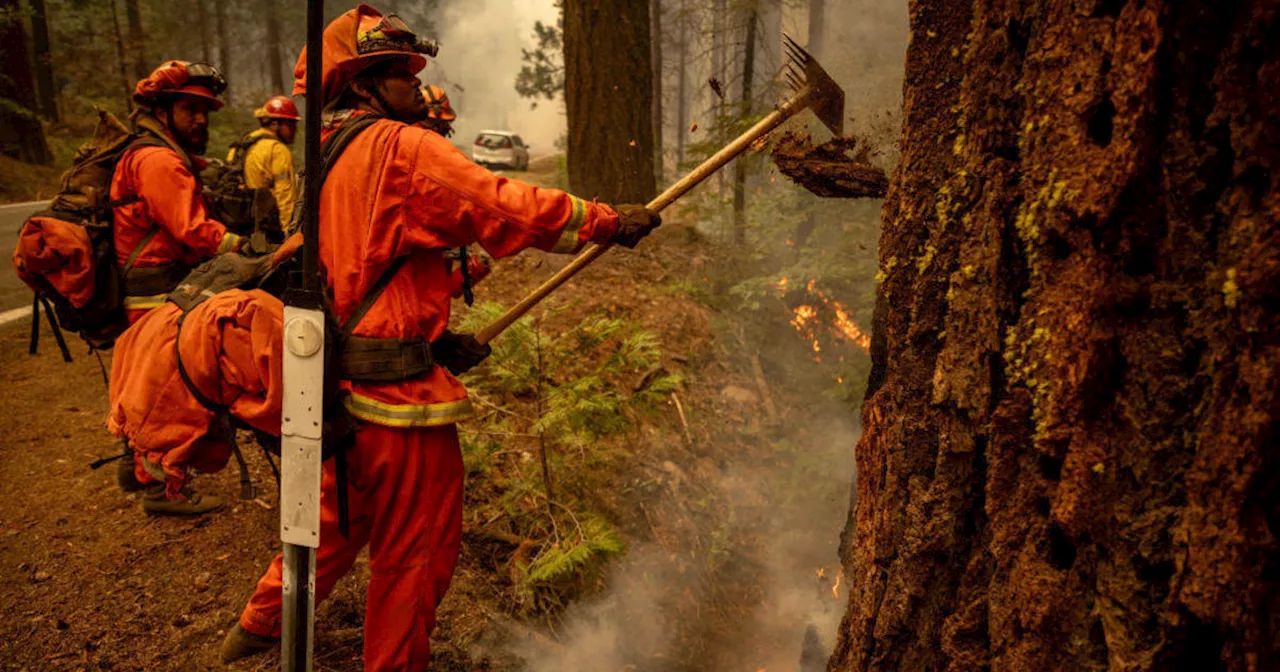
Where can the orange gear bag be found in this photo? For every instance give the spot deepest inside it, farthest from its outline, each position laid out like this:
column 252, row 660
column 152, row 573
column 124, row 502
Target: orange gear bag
column 66, row 254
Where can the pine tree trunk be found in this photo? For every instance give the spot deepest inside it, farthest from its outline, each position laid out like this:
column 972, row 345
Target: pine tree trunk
column 682, row 94
column 224, row 46
column 137, row 41
column 202, row 18
column 274, row 61
column 43, row 59
column 125, row 86
column 817, row 17
column 740, row 164
column 1069, row 457
column 656, row 40
column 21, row 133
column 608, row 97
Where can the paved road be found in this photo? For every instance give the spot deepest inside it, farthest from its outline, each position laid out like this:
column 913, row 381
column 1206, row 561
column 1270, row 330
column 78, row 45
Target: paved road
column 13, row 294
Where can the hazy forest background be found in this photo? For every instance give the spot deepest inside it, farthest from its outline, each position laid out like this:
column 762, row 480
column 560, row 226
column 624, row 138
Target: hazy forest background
column 662, row 466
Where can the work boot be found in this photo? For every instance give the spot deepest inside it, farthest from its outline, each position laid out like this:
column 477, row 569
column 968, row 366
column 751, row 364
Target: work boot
column 189, row 502
column 125, row 478
column 241, row 643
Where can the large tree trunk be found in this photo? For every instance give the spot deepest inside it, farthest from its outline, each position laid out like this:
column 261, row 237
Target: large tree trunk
column 656, row 40
column 43, row 59
column 21, row 134
column 224, row 44
column 274, row 61
column 1069, row 458
column 202, row 18
column 682, row 95
column 817, row 19
column 740, row 164
column 121, row 66
column 137, row 41
column 608, row 91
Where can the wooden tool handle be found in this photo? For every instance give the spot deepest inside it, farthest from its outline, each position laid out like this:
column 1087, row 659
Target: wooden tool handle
column 592, row 252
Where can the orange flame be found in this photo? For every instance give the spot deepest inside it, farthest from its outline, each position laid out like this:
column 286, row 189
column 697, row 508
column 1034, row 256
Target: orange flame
column 835, row 590
column 805, row 318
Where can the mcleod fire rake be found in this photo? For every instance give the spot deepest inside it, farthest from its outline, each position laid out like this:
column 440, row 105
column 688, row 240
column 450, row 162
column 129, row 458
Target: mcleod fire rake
column 814, row 89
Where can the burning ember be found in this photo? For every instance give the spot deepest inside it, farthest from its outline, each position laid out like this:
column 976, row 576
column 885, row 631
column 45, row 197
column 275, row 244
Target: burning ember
column 805, row 318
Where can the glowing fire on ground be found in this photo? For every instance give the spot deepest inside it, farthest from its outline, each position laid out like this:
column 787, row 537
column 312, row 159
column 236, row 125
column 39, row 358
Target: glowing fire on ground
column 805, row 317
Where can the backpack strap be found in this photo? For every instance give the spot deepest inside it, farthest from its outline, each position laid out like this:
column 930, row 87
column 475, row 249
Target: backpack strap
column 142, row 140
column 371, row 296
column 240, row 148
column 222, row 414
column 137, row 250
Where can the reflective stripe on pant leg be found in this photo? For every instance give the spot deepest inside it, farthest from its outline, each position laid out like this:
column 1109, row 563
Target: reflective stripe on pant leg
column 333, row 559
column 415, row 503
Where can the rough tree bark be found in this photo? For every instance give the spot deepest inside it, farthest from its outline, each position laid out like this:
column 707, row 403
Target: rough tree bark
column 43, row 59
column 608, row 94
column 1069, row 458
column 21, row 133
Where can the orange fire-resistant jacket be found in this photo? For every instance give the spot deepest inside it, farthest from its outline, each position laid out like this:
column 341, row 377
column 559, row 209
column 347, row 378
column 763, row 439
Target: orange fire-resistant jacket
column 403, row 190
column 171, row 200
column 231, row 349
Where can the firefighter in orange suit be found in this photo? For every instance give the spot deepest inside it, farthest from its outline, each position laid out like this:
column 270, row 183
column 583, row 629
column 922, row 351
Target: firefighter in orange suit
column 163, row 230
column 230, row 349
column 398, row 197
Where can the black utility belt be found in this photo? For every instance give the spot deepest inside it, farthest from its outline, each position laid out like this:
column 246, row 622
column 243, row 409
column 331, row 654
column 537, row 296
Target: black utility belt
column 384, row 360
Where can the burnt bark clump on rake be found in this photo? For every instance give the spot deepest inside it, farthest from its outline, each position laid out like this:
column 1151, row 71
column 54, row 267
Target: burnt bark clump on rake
column 837, row 168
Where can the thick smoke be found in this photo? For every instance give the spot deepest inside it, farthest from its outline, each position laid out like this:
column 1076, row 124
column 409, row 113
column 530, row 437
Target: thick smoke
column 480, row 55
column 793, row 514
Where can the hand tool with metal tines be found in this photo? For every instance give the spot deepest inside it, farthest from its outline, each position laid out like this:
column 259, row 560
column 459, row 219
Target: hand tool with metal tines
column 814, row 89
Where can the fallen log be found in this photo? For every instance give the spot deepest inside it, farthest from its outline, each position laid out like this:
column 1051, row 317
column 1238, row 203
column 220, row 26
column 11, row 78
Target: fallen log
column 837, row 168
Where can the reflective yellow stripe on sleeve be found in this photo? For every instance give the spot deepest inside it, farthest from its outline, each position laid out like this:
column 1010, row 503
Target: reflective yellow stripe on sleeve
column 568, row 241
column 144, row 302
column 230, row 243
column 407, row 415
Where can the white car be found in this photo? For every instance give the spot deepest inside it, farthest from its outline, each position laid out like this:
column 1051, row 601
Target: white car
column 500, row 148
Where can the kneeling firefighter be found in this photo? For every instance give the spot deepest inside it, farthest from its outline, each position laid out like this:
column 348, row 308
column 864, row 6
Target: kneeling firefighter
column 395, row 200
column 182, row 379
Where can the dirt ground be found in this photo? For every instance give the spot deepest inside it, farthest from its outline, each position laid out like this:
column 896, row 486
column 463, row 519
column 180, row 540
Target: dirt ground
column 88, row 581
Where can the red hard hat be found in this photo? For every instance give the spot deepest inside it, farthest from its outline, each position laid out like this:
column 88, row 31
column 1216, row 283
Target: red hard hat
column 354, row 41
column 180, row 78
column 438, row 106
column 278, row 107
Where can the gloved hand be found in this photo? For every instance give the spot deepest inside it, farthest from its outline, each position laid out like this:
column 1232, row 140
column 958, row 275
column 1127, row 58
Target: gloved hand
column 459, row 352
column 635, row 223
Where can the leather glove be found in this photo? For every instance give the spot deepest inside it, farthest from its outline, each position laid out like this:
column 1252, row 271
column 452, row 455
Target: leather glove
column 635, row 222
column 459, row 352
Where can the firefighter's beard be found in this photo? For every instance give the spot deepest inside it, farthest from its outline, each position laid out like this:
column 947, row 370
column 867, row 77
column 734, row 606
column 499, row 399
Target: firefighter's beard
column 194, row 140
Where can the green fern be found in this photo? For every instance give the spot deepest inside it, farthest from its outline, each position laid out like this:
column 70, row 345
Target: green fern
column 598, row 541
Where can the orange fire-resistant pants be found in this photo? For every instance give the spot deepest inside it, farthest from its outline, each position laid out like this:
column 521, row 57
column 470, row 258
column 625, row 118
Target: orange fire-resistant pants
column 405, row 502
